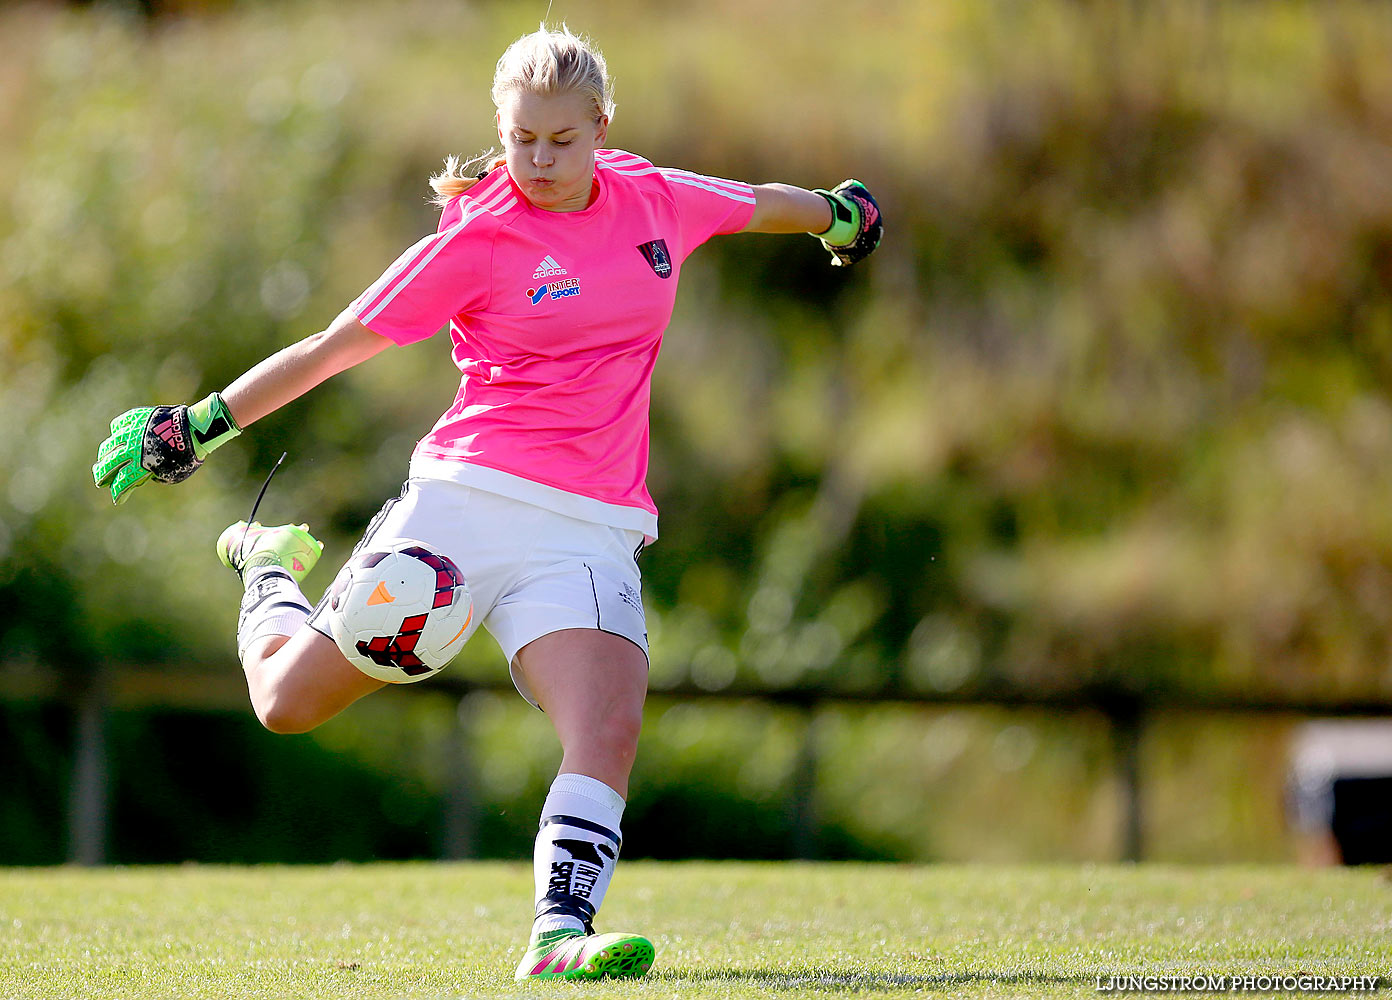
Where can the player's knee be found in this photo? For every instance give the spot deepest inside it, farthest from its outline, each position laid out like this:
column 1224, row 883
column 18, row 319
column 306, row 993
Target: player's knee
column 286, row 722
column 285, row 716
column 617, row 733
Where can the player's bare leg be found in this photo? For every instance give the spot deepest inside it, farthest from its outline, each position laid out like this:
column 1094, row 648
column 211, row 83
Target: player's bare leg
column 592, row 685
column 297, row 682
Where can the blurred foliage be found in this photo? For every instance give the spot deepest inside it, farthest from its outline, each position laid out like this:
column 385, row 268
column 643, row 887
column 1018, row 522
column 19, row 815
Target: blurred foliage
column 712, row 781
column 1109, row 407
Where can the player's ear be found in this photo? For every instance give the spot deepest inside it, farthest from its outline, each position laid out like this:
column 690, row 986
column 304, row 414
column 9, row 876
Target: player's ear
column 498, row 121
column 601, row 130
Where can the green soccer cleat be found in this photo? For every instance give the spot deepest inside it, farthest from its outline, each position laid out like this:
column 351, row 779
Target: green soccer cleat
column 289, row 546
column 567, row 954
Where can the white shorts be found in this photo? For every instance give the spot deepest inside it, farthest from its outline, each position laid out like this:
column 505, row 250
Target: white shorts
column 531, row 571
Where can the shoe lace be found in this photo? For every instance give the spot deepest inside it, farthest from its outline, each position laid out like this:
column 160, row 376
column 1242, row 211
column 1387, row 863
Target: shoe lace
column 237, row 560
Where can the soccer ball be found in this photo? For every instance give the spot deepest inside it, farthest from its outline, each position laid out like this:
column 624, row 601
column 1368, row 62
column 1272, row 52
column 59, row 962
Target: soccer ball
column 400, row 613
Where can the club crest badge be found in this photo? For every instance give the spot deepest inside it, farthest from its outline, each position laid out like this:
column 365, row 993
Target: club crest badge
column 655, row 253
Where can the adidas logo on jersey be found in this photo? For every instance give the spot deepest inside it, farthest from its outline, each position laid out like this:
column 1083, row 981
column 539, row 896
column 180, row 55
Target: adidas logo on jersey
column 548, row 268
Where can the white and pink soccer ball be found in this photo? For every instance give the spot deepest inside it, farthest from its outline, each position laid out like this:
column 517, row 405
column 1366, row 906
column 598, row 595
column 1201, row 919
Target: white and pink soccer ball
column 400, row 613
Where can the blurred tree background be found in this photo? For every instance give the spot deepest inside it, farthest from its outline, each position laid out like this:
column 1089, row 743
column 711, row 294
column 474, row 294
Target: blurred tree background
column 1108, row 411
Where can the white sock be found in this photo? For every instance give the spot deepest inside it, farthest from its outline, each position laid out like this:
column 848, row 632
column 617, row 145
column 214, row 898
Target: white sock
column 272, row 605
column 576, row 851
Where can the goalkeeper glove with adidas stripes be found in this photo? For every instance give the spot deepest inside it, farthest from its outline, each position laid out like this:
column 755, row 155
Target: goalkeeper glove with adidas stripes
column 165, row 443
column 856, row 226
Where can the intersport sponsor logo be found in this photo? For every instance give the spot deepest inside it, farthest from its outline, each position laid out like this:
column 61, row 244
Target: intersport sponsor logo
column 563, row 289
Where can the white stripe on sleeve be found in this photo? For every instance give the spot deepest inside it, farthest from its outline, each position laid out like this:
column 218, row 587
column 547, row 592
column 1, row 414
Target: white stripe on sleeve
column 444, row 241
column 693, row 181
column 736, row 191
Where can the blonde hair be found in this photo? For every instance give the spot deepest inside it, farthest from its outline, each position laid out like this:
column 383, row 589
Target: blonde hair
column 546, row 62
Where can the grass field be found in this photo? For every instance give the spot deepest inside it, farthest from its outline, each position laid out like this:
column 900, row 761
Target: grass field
column 722, row 930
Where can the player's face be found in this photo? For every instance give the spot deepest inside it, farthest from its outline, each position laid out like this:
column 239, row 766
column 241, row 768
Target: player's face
column 550, row 144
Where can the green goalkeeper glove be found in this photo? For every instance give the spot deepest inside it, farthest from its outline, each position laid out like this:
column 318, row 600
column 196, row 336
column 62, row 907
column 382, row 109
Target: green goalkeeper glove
column 856, row 226
column 166, row 443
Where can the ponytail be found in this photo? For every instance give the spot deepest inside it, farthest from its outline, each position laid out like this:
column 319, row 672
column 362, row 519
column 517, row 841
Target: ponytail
column 460, row 175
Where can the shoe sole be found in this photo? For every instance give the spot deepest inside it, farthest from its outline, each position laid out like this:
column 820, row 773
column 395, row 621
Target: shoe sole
column 627, row 960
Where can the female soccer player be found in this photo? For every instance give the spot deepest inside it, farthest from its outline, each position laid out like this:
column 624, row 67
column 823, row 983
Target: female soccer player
column 556, row 270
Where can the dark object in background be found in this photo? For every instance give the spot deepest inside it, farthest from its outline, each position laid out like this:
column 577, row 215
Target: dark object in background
column 1341, row 792
column 1362, row 823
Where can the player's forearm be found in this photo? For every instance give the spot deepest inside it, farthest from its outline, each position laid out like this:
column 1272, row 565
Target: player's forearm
column 783, row 208
column 293, row 371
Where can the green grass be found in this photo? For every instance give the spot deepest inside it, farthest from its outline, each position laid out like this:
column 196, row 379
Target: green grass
column 722, row 930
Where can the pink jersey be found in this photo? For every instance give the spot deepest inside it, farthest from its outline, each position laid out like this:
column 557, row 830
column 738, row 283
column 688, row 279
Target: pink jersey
column 556, row 320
